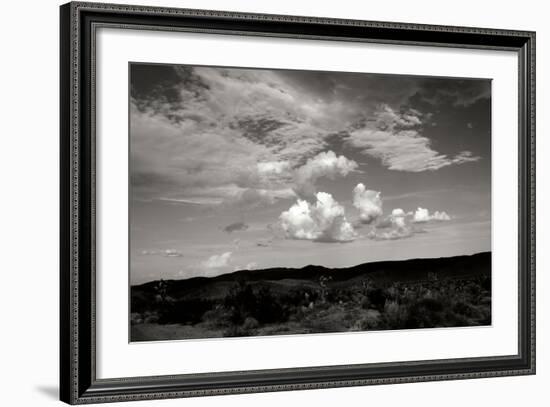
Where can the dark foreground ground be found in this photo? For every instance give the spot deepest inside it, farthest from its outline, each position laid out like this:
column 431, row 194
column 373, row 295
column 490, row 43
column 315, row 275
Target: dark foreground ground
column 420, row 293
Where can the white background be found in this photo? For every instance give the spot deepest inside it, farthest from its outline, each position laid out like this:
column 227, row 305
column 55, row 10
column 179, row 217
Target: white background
column 29, row 204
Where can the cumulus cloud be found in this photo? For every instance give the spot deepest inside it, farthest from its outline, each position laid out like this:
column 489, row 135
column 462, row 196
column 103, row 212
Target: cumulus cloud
column 324, row 221
column 235, row 227
column 398, row 217
column 422, row 215
column 396, row 139
column 384, row 223
column 440, row 216
column 368, row 203
column 325, row 164
column 249, row 266
column 393, row 227
column 218, row 261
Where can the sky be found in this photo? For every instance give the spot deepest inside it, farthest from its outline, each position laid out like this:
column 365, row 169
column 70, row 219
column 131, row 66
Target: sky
column 234, row 168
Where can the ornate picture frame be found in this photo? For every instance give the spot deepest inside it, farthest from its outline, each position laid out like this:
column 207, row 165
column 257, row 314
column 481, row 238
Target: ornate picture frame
column 79, row 381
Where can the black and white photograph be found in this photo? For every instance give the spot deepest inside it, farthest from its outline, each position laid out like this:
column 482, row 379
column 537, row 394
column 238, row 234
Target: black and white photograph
column 273, row 202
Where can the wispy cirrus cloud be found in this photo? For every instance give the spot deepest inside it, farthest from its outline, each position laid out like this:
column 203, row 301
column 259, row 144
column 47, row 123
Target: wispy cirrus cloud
column 396, row 139
column 244, row 128
column 163, row 253
column 211, row 136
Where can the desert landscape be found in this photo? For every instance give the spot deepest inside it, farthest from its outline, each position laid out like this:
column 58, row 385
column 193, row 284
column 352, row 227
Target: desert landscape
column 407, row 294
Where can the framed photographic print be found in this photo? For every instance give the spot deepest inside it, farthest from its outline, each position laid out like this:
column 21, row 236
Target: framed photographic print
column 256, row 203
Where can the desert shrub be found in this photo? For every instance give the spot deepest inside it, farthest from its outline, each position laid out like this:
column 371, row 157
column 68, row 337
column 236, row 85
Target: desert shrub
column 150, row 317
column 392, row 292
column 425, row 313
column 368, row 321
column 140, row 302
column 263, row 306
column 474, row 290
column 394, row 316
column 250, row 323
column 217, row 317
column 269, row 308
column 237, row 330
column 468, row 310
column 364, row 302
column 485, row 315
column 241, row 301
column 377, row 298
column 184, row 311
column 135, row 318
column 485, row 282
column 485, row 301
column 328, row 319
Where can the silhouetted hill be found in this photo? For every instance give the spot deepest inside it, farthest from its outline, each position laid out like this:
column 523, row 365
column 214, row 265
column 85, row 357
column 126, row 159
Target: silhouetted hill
column 280, row 279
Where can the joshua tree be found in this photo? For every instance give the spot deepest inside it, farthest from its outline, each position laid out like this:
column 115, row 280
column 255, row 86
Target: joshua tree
column 160, row 289
column 323, row 282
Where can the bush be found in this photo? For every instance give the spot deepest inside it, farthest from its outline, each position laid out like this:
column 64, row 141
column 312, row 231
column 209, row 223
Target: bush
column 425, row 313
column 368, row 321
column 377, row 298
column 184, row 311
column 263, row 306
column 250, row 323
column 236, row 330
column 135, row 318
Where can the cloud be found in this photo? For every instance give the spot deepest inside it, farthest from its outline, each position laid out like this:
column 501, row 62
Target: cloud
column 393, row 227
column 211, row 127
column 263, row 243
column 325, row 164
column 422, row 215
column 235, row 227
column 273, row 168
column 163, row 253
column 441, row 216
column 396, row 139
column 193, row 200
column 324, row 221
column 231, row 194
column 458, row 93
column 398, row 217
column 393, row 234
column 251, row 197
column 250, row 266
column 218, row 261
column 368, row 203
column 384, row 223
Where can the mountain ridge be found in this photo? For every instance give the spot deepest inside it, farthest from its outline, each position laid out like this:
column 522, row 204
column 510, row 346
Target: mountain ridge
column 413, row 267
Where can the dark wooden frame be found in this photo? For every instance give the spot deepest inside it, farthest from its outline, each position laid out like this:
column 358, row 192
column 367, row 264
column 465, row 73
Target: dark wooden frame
column 78, row 382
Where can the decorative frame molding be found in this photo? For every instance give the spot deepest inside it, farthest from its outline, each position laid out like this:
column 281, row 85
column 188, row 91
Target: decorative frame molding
column 78, row 382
